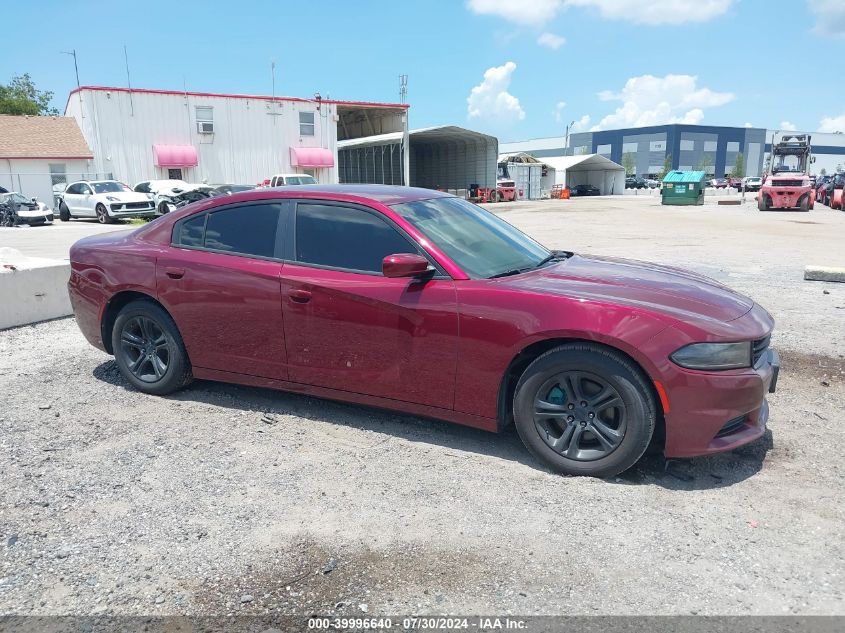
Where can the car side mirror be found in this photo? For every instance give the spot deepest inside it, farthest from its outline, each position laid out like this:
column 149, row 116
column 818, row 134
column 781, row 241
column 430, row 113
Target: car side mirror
column 405, row 265
column 34, row 199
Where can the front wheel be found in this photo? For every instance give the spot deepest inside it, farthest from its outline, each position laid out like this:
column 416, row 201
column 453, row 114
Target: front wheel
column 163, row 208
column 148, row 349
column 583, row 409
column 804, row 204
column 103, row 215
column 64, row 212
column 763, row 202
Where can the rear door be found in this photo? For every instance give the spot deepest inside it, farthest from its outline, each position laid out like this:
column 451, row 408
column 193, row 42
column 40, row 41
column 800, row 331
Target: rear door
column 348, row 327
column 220, row 279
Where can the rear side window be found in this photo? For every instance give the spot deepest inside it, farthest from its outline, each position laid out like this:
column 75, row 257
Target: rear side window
column 242, row 230
column 345, row 237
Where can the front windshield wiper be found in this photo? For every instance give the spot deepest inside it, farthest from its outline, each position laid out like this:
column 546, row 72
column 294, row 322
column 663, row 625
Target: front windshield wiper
column 552, row 257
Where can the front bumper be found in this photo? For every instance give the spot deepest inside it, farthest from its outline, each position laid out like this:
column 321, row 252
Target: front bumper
column 784, row 197
column 129, row 210
column 713, row 412
column 35, row 218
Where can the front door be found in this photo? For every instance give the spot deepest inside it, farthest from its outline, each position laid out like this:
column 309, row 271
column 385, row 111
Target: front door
column 220, row 282
column 347, row 327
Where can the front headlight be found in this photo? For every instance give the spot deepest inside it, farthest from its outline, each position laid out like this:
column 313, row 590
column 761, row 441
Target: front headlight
column 112, row 199
column 714, row 356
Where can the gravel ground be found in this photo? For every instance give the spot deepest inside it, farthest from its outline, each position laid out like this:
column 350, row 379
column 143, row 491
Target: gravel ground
column 234, row 500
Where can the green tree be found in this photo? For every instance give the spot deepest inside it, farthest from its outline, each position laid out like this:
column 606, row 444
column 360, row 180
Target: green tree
column 823, row 172
column 704, row 162
column 667, row 167
column 20, row 96
column 629, row 162
column 739, row 168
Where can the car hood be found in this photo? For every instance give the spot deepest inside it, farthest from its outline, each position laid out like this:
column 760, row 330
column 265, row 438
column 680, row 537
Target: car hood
column 671, row 291
column 125, row 196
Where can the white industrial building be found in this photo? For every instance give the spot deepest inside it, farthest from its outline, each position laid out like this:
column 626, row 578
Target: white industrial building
column 139, row 134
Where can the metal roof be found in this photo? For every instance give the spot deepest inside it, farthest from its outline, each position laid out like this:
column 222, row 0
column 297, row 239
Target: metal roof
column 583, row 162
column 436, row 134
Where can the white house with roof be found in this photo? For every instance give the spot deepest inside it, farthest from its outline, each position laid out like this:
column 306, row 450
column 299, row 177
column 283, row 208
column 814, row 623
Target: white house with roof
column 139, row 134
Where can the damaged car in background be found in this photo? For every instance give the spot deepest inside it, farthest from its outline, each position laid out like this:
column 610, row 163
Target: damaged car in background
column 16, row 208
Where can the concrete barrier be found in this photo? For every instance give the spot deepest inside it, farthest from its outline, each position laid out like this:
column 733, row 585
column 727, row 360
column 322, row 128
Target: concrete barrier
column 32, row 289
column 824, row 273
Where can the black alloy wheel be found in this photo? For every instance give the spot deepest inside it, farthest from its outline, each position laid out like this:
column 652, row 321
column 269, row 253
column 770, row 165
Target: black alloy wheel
column 580, row 415
column 102, row 215
column 145, row 349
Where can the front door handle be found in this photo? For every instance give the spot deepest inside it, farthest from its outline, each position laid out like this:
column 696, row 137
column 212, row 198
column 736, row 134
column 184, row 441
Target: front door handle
column 299, row 296
column 175, row 273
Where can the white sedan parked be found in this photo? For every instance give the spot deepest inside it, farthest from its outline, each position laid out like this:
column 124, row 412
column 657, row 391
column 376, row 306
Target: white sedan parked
column 105, row 200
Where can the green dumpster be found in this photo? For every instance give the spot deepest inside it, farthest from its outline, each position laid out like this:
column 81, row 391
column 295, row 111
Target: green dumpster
column 683, row 187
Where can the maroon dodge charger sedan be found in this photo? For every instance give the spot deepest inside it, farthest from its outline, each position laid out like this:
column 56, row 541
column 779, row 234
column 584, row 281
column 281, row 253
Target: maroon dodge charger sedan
column 418, row 301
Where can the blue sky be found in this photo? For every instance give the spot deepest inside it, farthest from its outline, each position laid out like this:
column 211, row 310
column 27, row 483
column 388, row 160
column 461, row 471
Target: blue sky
column 517, row 68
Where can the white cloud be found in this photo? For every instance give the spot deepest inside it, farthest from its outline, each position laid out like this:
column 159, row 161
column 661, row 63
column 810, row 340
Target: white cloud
column 748, row 125
column 552, row 41
column 658, row 11
column 559, row 106
column 832, row 124
column 649, row 100
column 581, row 125
column 830, row 17
column 530, row 12
column 491, row 100
column 788, row 126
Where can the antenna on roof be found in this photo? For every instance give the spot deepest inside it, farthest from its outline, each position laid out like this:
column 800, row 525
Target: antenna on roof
column 403, row 88
column 128, row 81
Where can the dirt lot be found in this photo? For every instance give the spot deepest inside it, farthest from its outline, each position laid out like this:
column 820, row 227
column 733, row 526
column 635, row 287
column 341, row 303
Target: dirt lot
column 226, row 499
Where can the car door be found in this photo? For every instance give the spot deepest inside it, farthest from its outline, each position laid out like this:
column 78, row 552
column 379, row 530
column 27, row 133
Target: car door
column 71, row 198
column 85, row 201
column 220, row 281
column 348, row 327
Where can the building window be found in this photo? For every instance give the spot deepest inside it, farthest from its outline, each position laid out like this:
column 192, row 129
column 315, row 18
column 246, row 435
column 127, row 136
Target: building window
column 657, row 146
column 306, row 124
column 687, row 145
column 603, row 149
column 630, row 148
column 733, row 146
column 205, row 119
column 174, row 174
column 710, row 146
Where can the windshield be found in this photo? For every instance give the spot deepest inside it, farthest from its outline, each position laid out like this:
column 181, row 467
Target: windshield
column 300, row 180
column 109, row 187
column 481, row 243
column 15, row 197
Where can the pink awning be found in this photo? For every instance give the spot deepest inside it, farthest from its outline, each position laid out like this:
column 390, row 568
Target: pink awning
column 175, row 155
column 311, row 157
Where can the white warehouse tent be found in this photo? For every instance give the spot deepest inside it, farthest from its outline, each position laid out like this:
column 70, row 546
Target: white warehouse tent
column 445, row 157
column 588, row 169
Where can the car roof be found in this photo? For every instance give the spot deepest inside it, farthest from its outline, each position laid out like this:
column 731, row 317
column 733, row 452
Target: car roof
column 385, row 194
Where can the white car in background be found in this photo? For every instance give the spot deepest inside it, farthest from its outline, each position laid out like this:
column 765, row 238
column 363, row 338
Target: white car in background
column 105, row 200
column 169, row 195
column 283, row 180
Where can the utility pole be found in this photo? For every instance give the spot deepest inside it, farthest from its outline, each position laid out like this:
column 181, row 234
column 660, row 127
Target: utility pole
column 72, row 53
column 566, row 141
column 405, row 150
column 128, row 81
column 403, row 88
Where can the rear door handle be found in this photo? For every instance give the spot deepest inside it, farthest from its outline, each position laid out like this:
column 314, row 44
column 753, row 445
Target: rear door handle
column 299, row 296
column 175, row 273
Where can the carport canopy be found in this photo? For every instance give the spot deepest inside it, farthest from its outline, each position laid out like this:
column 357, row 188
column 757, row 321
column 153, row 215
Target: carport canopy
column 588, row 169
column 444, row 157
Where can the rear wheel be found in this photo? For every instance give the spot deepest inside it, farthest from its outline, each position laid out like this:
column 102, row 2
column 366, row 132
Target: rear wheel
column 149, row 350
column 102, row 215
column 583, row 409
column 64, row 212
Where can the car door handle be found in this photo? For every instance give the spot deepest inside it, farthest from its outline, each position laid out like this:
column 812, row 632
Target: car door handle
column 175, row 273
column 300, row 296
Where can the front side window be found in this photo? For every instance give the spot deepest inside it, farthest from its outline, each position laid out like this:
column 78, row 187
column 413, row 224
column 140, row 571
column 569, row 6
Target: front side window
column 243, row 230
column 345, row 237
column 205, row 119
column 84, row 189
column 481, row 243
column 109, row 187
column 306, row 124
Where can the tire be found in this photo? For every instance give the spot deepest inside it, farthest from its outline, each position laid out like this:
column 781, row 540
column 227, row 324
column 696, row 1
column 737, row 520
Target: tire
column 602, row 439
column 8, row 220
column 64, row 212
column 763, row 203
column 149, row 350
column 804, row 203
column 102, row 215
column 163, row 208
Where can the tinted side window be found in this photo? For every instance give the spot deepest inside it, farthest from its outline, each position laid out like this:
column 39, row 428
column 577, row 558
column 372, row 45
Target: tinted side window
column 244, row 230
column 343, row 237
column 71, row 189
column 192, row 231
